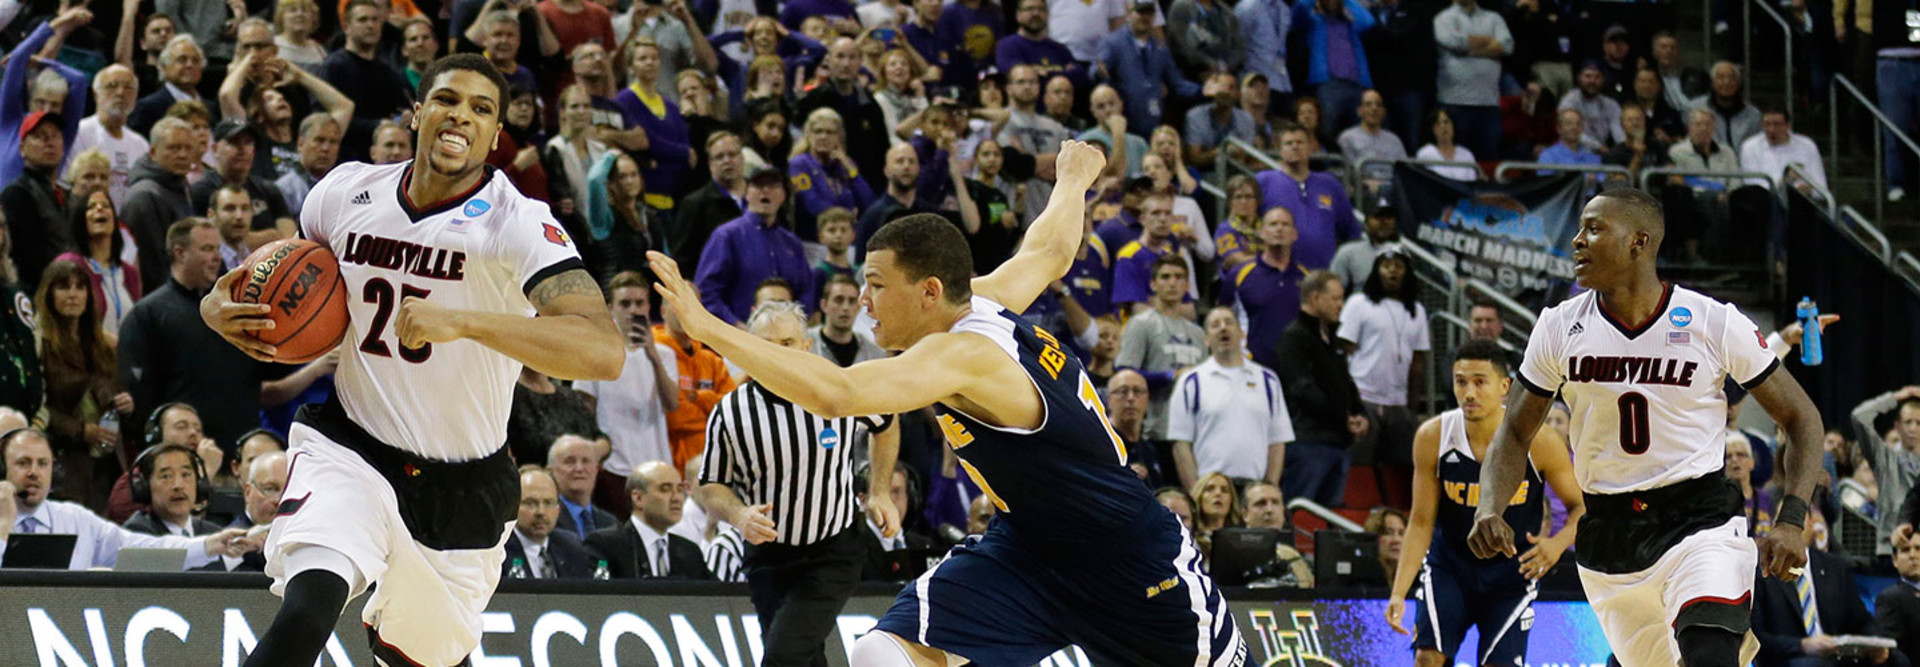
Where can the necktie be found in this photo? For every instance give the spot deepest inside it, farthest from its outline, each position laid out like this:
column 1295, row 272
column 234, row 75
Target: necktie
column 1809, row 612
column 28, row 524
column 584, row 519
column 660, row 557
column 546, row 564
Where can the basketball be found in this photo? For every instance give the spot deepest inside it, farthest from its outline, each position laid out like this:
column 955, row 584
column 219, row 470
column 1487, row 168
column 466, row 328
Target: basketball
column 301, row 281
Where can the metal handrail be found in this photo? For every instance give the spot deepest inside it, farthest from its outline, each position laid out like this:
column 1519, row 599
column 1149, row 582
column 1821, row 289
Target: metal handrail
column 1879, row 152
column 1905, row 266
column 1507, row 303
column 1647, row 174
column 1362, row 164
column 1871, row 231
column 1331, row 517
column 1426, row 257
column 1500, row 170
column 1746, row 43
column 1249, row 149
column 1792, row 175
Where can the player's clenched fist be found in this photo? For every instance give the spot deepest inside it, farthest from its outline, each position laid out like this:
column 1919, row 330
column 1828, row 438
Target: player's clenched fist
column 421, row 322
column 1078, row 164
column 1490, row 537
column 1783, row 552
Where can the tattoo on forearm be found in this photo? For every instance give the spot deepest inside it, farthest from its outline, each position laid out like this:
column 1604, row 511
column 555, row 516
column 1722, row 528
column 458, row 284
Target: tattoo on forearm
column 576, row 281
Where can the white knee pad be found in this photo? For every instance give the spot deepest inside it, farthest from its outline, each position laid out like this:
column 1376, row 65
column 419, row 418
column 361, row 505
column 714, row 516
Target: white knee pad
column 879, row 649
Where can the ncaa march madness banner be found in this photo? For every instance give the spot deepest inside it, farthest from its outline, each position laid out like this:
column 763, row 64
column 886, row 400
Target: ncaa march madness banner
column 1515, row 236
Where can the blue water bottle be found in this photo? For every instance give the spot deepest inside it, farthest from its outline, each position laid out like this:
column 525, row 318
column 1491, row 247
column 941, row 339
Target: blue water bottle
column 1809, row 315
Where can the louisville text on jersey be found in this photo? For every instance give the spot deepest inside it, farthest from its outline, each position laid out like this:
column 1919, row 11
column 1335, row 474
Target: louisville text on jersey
column 1632, row 370
column 419, row 260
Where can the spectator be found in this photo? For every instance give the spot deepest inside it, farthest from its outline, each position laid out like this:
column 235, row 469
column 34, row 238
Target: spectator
column 669, row 153
column 168, row 354
column 585, row 488
column 499, row 32
column 1328, row 413
column 420, row 48
column 154, row 35
column 537, row 551
column 179, row 425
column 158, row 198
column 839, row 14
column 576, row 22
column 1237, row 239
column 823, row 175
column 1440, row 125
column 1897, row 608
column 1681, row 84
column 1638, row 151
column 572, row 153
column 20, row 380
column 266, row 482
column 1472, row 41
column 1616, row 70
column 633, row 410
column 623, row 225
column 392, row 144
column 1206, row 37
column 1176, row 501
column 1544, row 36
column 1402, row 49
column 1209, row 126
column 1081, row 26
column 860, row 114
column 1384, row 330
column 1268, row 288
column 1529, row 122
column 100, row 253
column 1662, row 118
column 1188, row 224
column 835, row 337
column 1317, row 200
column 713, row 204
column 30, row 473
column 1216, row 507
column 320, row 137
column 172, row 472
column 522, row 135
column 1126, row 399
column 1137, row 62
column 1370, row 140
column 81, row 388
column 876, row 566
column 900, row 200
column 917, row 30
column 1895, row 465
column 1165, row 142
column 181, row 63
column 114, row 93
column 1390, row 524
column 1032, row 133
column 1739, row 120
column 294, row 23
column 233, row 152
column 276, row 152
column 1599, row 113
column 1756, row 503
column 1307, row 114
column 1217, row 422
column 35, row 201
column 836, row 236
column 1089, row 279
column 1266, row 508
column 1778, row 148
column 767, row 142
column 1133, row 277
column 200, row 123
column 1058, row 100
column 1256, row 100
column 1329, row 31
column 1700, row 150
column 232, row 213
column 965, row 35
column 683, row 46
column 1032, row 46
column 1574, row 148
column 544, row 410
column 900, row 92
column 634, row 549
column 1797, row 621
column 382, row 91
column 253, row 445
column 1159, row 340
column 1264, row 26
column 703, row 380
column 751, row 248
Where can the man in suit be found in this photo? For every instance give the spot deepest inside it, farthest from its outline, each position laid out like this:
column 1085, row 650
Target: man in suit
column 543, row 552
column 264, row 479
column 181, row 64
column 172, row 474
column 633, row 549
column 1794, row 633
column 1897, row 610
column 574, row 463
column 715, row 204
column 878, row 567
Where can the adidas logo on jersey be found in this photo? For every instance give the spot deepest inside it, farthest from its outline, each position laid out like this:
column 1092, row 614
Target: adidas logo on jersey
column 362, row 198
column 1577, row 329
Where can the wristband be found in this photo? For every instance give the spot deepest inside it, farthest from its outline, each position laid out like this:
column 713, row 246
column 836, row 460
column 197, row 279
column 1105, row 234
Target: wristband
column 1793, row 512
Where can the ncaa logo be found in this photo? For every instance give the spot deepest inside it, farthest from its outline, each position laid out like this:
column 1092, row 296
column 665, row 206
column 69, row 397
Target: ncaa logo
column 829, row 438
column 476, row 207
column 1680, row 317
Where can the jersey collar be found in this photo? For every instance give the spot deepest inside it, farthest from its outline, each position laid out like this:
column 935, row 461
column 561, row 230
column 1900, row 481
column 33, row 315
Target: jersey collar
column 1632, row 332
column 416, row 214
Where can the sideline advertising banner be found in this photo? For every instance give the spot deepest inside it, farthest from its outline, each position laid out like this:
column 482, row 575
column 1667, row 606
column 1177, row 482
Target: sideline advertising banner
column 1515, row 236
column 112, row 620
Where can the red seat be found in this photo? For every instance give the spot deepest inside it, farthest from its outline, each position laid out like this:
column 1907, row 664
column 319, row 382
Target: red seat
column 1362, row 491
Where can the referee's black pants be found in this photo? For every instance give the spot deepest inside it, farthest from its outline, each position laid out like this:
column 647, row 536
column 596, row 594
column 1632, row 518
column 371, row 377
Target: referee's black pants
column 802, row 590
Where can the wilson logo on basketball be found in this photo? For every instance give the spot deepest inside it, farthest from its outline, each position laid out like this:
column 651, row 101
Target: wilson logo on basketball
column 262, row 271
column 302, row 285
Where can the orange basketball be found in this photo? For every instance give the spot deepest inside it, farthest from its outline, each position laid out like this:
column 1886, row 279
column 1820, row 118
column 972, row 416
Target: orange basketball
column 301, row 281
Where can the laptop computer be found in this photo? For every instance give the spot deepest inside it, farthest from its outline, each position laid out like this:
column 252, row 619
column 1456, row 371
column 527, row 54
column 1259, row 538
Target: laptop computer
column 1238, row 552
column 1343, row 558
column 39, row 550
column 150, row 560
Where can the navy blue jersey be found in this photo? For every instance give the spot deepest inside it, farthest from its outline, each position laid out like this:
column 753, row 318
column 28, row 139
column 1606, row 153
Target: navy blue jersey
column 1062, row 484
column 1459, row 497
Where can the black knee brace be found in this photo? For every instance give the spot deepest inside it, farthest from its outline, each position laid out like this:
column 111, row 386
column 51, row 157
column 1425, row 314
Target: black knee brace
column 307, row 615
column 1707, row 646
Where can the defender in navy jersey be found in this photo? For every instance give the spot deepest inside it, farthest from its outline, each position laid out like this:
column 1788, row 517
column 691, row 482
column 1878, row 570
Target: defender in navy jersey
column 1079, row 553
column 1457, row 589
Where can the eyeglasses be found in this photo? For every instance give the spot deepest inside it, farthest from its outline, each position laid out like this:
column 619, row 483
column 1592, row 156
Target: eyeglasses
column 1124, row 391
column 538, row 503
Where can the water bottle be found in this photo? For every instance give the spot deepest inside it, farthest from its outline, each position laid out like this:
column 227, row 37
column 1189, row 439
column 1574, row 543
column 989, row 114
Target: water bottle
column 600, row 571
column 519, row 569
column 1809, row 314
column 110, row 420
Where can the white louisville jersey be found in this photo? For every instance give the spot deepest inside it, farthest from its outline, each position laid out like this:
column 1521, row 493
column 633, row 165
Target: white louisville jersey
column 479, row 251
column 1647, row 400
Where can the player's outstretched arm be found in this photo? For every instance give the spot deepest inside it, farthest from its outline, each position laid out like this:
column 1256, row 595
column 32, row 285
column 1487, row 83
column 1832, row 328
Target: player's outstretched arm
column 572, row 337
column 935, row 368
column 1555, row 463
column 1419, row 535
column 1784, row 550
column 1054, row 238
column 1500, row 475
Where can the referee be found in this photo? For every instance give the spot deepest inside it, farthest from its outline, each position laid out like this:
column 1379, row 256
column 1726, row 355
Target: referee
column 784, row 478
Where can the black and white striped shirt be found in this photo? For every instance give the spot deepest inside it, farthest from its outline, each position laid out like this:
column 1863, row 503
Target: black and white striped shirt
column 772, row 451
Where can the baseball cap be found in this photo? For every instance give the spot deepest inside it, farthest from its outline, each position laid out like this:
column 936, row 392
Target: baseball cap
column 1615, row 31
column 1145, row 6
column 766, row 174
column 230, row 127
column 1139, row 183
column 1385, row 208
column 1391, row 250
column 33, row 120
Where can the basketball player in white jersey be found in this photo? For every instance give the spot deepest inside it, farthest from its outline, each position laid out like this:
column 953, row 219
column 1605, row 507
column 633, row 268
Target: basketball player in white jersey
column 1664, row 554
column 454, row 281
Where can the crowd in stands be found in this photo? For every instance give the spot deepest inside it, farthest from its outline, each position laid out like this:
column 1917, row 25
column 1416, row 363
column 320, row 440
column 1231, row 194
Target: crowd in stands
column 1248, row 350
